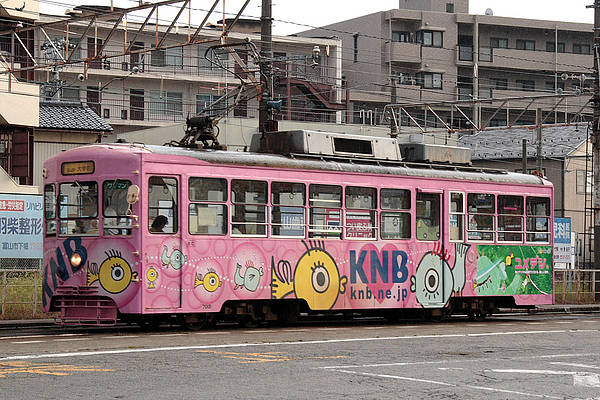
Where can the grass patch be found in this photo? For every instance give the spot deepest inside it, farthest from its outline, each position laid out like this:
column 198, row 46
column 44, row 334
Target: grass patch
column 21, row 296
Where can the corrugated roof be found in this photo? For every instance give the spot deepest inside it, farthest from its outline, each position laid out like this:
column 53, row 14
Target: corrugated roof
column 557, row 142
column 71, row 116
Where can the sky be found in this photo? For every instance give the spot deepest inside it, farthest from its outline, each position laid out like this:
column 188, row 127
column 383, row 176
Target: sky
column 295, row 16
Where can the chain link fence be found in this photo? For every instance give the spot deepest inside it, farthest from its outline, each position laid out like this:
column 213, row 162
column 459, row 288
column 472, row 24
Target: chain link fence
column 20, row 288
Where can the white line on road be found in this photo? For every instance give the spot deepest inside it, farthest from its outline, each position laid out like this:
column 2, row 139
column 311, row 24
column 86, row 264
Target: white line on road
column 23, row 337
column 213, row 333
column 71, row 334
column 564, row 322
column 507, row 324
column 170, row 334
column 69, row 339
column 120, row 337
column 586, row 379
column 30, row 341
column 243, row 345
column 263, row 331
column 295, row 330
column 576, row 365
column 535, row 323
column 375, row 327
column 487, row 389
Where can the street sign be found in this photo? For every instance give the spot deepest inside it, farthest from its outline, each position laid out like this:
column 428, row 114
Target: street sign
column 21, row 226
column 562, row 240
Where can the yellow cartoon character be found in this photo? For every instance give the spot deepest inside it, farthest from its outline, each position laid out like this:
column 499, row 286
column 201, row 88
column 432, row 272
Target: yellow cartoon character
column 114, row 274
column 211, row 281
column 152, row 275
column 316, row 278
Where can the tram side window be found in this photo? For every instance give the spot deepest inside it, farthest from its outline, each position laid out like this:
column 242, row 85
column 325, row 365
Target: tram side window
column 162, row 205
column 325, row 211
column 208, row 208
column 288, row 209
column 538, row 219
column 457, row 217
column 249, row 213
column 50, row 209
column 510, row 218
column 395, row 220
column 428, row 216
column 481, row 209
column 115, row 207
column 361, row 212
column 78, row 209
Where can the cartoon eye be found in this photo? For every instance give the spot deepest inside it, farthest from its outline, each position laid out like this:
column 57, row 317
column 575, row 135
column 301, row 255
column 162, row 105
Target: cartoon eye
column 151, row 273
column 212, row 281
column 432, row 280
column 117, row 272
column 320, row 278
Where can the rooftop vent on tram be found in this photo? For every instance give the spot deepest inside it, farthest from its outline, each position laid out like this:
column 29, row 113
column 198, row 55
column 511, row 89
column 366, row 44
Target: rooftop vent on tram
column 326, row 144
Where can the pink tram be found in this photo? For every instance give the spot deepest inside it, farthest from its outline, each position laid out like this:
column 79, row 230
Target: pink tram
column 143, row 233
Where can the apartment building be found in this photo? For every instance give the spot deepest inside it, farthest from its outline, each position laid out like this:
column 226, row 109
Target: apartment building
column 150, row 88
column 433, row 51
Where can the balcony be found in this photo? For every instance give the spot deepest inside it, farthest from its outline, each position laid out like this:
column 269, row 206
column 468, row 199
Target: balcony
column 535, row 60
column 403, row 52
column 19, row 101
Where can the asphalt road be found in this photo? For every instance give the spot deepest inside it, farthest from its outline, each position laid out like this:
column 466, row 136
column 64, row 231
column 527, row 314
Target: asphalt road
column 507, row 357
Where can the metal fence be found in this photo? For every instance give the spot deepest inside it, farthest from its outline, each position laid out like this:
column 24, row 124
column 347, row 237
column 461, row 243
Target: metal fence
column 20, row 288
column 577, row 286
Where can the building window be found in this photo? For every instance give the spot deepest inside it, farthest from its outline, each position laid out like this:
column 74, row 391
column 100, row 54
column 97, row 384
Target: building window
column 401, row 36
column 430, row 38
column 166, row 104
column 550, row 86
column 70, row 93
column 203, row 101
column 523, row 44
column 241, row 108
column 499, row 83
column 450, row 8
column 499, row 43
column 170, row 57
column 430, row 80
column 525, row 85
column 585, row 179
column 579, row 48
column 551, row 47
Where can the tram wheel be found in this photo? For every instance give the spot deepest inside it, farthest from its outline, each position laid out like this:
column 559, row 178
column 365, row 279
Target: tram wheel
column 196, row 322
column 476, row 315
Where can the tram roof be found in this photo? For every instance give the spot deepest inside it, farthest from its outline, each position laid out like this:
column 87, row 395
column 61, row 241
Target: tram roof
column 379, row 167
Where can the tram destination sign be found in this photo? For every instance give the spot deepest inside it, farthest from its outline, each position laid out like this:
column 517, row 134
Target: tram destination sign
column 21, row 226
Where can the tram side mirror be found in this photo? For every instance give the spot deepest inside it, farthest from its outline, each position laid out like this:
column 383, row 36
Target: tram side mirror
column 133, row 194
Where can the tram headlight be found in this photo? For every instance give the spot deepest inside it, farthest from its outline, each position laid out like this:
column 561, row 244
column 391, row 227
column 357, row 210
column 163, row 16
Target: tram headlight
column 75, row 260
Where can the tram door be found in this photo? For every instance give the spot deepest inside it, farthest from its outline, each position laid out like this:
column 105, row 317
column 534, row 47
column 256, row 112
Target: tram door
column 430, row 228
column 164, row 247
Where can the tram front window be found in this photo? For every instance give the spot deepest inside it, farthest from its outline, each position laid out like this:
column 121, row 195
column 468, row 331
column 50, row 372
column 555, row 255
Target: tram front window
column 78, row 209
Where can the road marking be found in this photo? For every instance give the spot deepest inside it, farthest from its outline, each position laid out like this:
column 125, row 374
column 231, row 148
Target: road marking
column 535, row 323
column 564, row 322
column 331, row 329
column 120, row 337
column 242, row 345
column 69, row 340
column 213, row 333
column 263, row 331
column 405, row 378
column 30, row 341
column 590, row 322
column 170, row 334
column 23, row 337
column 576, row 365
column 586, row 379
column 507, row 324
column 71, row 334
column 247, row 358
column 295, row 330
column 375, row 327
column 24, row 367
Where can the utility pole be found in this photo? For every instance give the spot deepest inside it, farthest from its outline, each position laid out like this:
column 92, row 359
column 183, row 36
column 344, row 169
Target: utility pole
column 265, row 123
column 538, row 115
column 596, row 135
column 393, row 128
